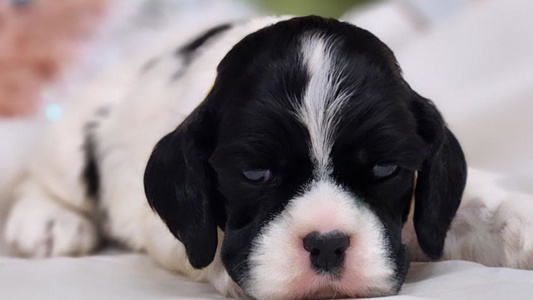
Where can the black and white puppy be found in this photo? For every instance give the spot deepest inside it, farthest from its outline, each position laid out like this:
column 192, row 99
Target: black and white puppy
column 299, row 154
column 304, row 152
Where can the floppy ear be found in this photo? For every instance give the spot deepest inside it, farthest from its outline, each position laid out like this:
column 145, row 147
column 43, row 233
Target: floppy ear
column 179, row 185
column 441, row 180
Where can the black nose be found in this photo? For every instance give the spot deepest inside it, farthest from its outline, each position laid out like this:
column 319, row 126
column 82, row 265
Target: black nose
column 326, row 250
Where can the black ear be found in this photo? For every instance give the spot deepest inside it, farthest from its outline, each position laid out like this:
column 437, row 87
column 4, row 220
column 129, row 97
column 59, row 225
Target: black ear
column 441, row 180
column 179, row 185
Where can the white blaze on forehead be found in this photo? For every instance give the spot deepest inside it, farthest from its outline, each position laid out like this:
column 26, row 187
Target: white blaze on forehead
column 322, row 100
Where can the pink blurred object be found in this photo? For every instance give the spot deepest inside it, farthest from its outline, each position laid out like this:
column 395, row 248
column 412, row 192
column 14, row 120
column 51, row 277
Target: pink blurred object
column 37, row 40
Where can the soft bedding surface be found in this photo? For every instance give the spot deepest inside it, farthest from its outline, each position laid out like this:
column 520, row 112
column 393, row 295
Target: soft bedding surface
column 136, row 277
column 477, row 66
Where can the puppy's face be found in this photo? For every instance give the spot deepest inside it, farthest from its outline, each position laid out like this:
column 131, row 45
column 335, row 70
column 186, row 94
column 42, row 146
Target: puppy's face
column 304, row 154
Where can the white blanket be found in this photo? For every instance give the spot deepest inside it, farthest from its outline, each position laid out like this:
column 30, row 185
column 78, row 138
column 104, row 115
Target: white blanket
column 135, row 276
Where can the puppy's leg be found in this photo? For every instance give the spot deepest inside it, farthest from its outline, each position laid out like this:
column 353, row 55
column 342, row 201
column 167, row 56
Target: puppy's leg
column 53, row 213
column 493, row 226
column 40, row 226
column 56, row 202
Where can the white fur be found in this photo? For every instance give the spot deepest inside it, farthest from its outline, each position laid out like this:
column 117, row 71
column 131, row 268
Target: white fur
column 281, row 267
column 52, row 215
column 319, row 109
column 494, row 226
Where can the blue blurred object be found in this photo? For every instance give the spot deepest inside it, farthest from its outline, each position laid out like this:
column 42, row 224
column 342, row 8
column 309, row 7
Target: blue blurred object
column 53, row 111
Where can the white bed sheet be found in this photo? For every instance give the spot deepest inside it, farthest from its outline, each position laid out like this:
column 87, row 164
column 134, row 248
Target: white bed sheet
column 135, row 276
column 477, row 67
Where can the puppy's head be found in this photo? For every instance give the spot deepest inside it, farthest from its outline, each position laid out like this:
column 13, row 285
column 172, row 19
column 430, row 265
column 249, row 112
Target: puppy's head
column 305, row 154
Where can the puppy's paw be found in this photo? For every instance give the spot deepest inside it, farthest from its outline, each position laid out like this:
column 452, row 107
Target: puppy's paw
column 514, row 223
column 42, row 228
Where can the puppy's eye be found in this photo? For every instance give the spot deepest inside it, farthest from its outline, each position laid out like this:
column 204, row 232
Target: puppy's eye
column 258, row 176
column 382, row 171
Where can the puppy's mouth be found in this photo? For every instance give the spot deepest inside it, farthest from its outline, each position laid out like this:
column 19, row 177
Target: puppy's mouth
column 330, row 286
column 327, row 287
column 327, row 293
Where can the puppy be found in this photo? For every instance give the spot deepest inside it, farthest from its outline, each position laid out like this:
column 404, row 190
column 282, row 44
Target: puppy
column 290, row 154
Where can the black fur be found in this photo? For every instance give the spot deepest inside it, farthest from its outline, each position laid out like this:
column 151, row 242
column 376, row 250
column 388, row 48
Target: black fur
column 188, row 52
column 189, row 49
column 184, row 191
column 441, row 180
column 90, row 175
column 149, row 65
column 194, row 177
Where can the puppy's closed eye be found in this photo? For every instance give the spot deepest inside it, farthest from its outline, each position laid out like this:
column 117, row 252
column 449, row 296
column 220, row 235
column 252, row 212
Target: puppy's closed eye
column 258, row 176
column 384, row 171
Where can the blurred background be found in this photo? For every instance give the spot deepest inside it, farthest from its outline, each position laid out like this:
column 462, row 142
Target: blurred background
column 46, row 44
column 474, row 58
